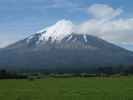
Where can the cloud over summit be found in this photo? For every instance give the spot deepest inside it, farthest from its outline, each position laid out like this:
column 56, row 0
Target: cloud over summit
column 103, row 24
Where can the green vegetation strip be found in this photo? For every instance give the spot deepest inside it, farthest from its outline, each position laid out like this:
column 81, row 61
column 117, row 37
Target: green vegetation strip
column 68, row 89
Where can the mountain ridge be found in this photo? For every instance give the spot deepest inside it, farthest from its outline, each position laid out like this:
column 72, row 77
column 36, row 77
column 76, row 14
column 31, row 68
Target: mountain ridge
column 74, row 52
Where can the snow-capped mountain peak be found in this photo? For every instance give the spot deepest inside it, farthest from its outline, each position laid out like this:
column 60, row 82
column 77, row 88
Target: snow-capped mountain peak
column 63, row 30
column 58, row 31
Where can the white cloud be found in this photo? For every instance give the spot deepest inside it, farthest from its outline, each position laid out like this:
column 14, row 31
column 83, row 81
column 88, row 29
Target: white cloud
column 102, row 25
column 62, row 4
column 58, row 31
column 102, row 11
column 114, row 30
column 120, row 30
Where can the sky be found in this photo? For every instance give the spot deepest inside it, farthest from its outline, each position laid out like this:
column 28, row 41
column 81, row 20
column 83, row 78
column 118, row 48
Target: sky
column 111, row 20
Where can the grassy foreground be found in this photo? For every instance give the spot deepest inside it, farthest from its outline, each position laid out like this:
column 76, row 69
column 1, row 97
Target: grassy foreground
column 68, row 89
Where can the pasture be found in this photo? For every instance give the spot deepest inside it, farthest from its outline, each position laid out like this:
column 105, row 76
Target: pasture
column 68, row 89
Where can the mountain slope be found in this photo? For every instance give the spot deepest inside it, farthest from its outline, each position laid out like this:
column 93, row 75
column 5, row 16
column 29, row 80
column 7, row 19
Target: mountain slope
column 60, row 49
column 74, row 52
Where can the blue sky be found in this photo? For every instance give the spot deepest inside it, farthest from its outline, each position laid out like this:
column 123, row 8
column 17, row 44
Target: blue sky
column 20, row 18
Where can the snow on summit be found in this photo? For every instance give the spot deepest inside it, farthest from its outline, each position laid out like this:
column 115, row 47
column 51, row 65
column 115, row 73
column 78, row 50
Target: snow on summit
column 58, row 31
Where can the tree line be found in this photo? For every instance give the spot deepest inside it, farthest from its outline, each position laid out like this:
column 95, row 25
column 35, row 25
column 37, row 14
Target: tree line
column 97, row 72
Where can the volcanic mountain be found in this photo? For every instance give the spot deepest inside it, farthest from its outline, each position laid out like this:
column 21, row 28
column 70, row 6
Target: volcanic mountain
column 61, row 50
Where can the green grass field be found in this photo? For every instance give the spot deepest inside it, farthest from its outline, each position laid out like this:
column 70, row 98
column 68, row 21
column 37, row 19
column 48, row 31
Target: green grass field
column 68, row 89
